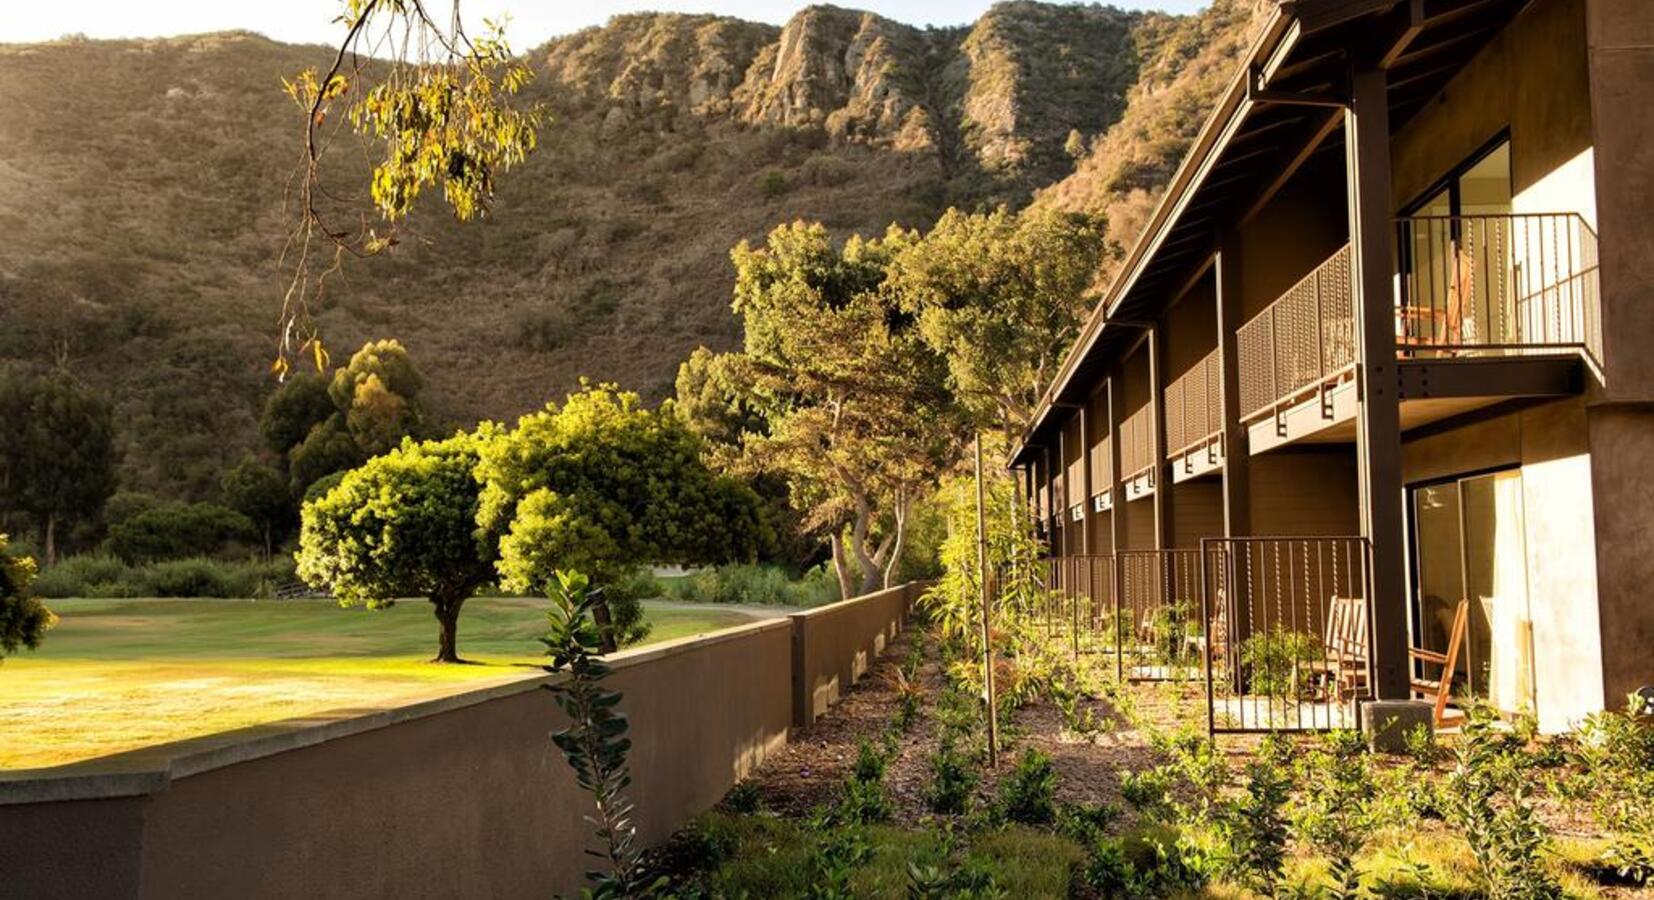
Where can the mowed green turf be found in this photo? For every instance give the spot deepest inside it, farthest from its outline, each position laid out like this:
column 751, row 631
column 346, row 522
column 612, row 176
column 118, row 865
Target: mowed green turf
column 116, row 675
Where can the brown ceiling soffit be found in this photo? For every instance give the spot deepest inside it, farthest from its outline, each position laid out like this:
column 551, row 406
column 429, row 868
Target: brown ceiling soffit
column 1278, row 37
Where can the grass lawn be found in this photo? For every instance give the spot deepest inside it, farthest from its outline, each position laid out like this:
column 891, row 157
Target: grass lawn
column 115, row 675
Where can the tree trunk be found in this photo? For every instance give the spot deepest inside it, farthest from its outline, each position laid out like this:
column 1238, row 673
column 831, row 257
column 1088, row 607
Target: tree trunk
column 269, row 550
column 893, row 566
column 605, row 626
column 447, row 616
column 841, row 566
column 49, row 538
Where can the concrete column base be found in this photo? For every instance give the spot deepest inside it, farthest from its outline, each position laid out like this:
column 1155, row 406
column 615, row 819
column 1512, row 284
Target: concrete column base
column 1386, row 723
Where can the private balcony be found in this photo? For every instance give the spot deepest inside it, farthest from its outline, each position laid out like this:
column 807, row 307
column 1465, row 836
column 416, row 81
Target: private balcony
column 1194, row 420
column 1488, row 308
column 1137, row 457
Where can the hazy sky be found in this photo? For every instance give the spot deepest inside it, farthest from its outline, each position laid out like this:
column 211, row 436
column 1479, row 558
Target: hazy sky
column 532, row 21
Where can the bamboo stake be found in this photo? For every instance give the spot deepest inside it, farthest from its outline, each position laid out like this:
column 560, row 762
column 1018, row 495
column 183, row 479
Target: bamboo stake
column 982, row 583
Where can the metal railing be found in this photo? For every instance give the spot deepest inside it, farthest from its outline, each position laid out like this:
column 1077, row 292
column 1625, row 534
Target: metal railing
column 1291, row 638
column 1497, row 284
column 1159, row 622
column 1194, row 407
column 1137, row 443
column 1300, row 341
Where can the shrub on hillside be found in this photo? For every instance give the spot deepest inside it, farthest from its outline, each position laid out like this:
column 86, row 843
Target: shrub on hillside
column 177, row 531
column 106, row 577
column 91, row 575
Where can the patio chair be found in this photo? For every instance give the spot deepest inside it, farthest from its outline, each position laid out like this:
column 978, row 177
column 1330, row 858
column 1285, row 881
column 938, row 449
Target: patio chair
column 1445, row 324
column 1344, row 648
column 1441, row 689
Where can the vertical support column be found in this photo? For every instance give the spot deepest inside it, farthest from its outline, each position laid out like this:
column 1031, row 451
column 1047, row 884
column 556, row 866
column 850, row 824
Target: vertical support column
column 1378, row 418
column 1157, row 413
column 1237, row 443
column 1116, row 515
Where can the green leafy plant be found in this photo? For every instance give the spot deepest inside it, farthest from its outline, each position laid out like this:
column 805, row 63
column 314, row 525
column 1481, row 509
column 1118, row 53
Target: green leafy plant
column 1615, row 759
column 1334, row 814
column 952, row 779
column 1488, row 798
column 1255, row 822
column 1154, row 861
column 1028, row 794
column 744, row 798
column 24, row 620
column 1145, row 790
column 595, row 742
column 1278, row 662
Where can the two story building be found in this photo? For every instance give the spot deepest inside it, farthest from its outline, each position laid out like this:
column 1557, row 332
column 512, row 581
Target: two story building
column 1385, row 356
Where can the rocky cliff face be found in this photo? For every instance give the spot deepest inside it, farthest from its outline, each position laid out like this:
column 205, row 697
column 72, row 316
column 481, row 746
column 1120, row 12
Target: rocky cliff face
column 142, row 186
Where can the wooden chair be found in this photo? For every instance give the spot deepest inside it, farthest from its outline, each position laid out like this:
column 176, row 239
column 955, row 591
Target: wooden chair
column 1344, row 647
column 1441, row 689
column 1426, row 325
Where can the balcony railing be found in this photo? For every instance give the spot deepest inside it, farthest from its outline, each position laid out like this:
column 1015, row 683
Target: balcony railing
column 1137, row 443
column 1466, row 287
column 1302, row 340
column 1499, row 284
column 1194, row 412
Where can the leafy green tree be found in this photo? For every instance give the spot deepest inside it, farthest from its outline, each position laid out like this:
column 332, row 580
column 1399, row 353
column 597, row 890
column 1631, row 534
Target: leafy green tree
column 329, row 448
column 403, row 525
column 57, row 452
column 603, row 485
column 295, row 408
column 858, row 417
column 177, row 530
column 1000, row 297
column 259, row 492
column 23, row 618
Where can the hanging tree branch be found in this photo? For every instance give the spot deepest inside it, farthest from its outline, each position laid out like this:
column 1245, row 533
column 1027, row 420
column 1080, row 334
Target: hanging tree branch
column 433, row 107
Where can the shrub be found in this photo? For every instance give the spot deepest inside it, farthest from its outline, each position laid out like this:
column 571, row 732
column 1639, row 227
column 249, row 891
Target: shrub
column 1279, row 662
column 91, row 575
column 1487, row 798
column 178, row 530
column 754, row 585
column 1616, row 764
column 1155, row 861
column 1256, row 823
column 1335, row 812
column 193, row 578
column 1028, row 794
column 952, row 779
column 1145, row 790
column 772, row 184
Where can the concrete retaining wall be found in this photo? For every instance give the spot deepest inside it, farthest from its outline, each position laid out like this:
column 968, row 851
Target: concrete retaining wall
column 464, row 796
column 833, row 646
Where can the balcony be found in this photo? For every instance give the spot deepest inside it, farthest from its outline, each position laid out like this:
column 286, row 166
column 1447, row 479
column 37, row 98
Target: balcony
column 1194, row 420
column 1137, row 453
column 1487, row 308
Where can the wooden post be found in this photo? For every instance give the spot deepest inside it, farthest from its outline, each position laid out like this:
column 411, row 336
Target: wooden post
column 1236, row 440
column 1161, row 472
column 987, row 632
column 1116, row 515
column 1378, row 418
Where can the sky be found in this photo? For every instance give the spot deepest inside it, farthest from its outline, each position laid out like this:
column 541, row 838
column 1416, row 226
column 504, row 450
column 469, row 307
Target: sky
column 531, row 21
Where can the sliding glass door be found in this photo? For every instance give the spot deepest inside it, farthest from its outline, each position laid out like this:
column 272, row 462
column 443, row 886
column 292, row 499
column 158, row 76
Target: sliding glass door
column 1468, row 545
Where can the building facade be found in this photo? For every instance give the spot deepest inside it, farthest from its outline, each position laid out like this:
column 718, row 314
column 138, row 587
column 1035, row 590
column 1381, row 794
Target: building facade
column 1396, row 299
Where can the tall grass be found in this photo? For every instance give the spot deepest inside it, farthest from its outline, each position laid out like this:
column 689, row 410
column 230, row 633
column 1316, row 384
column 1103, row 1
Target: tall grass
column 754, row 586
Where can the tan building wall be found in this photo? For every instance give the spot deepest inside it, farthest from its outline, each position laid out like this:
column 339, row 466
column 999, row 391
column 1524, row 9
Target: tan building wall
column 1305, row 490
column 1548, row 443
column 1303, row 225
column 1197, row 512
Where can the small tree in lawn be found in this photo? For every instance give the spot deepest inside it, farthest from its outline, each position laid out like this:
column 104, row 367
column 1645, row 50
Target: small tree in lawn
column 403, row 525
column 23, row 618
column 603, row 485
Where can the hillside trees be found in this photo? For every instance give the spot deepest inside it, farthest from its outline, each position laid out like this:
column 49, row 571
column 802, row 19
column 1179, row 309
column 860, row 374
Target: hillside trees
column 57, row 452
column 23, row 618
column 857, row 415
column 258, row 491
column 403, row 525
column 999, row 297
column 172, row 530
column 322, row 426
column 602, row 485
